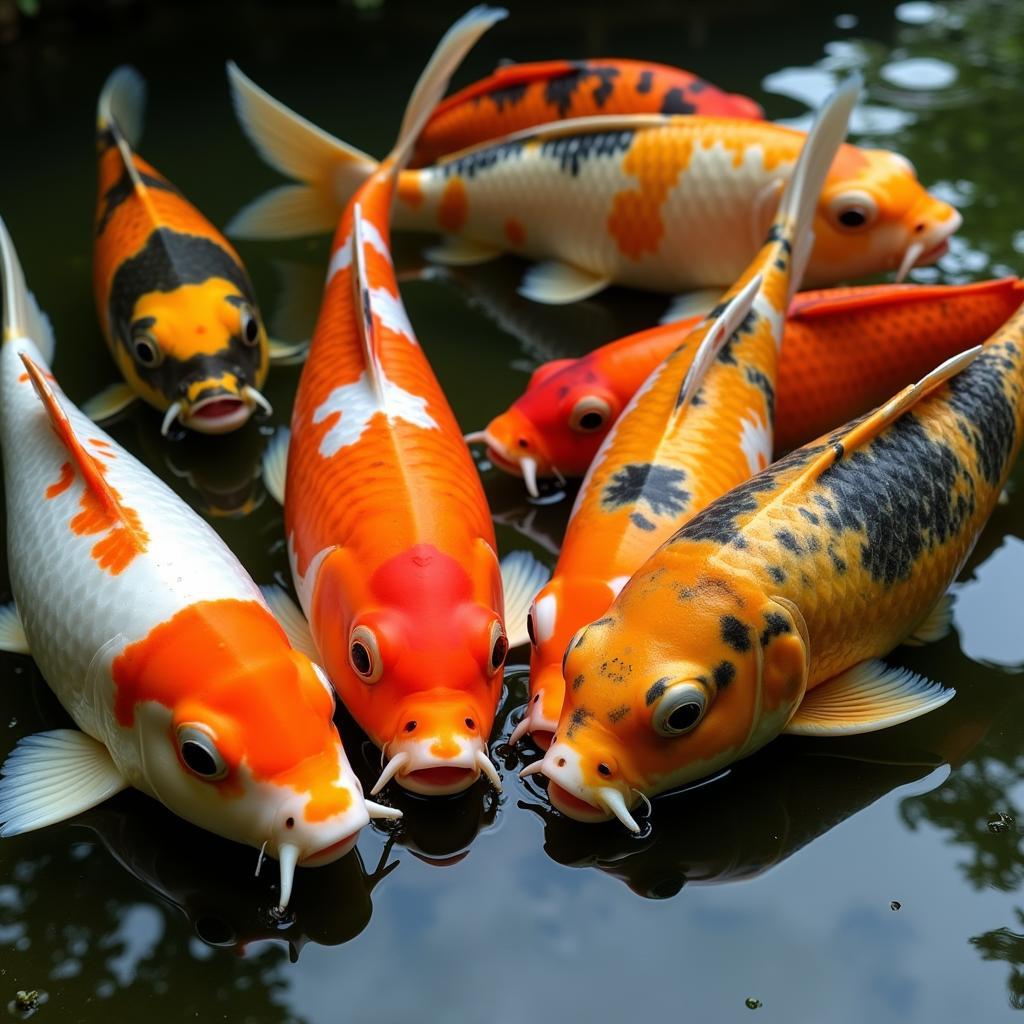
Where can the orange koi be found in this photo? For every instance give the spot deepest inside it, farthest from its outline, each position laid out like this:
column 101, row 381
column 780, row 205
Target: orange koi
column 844, row 351
column 390, row 538
column 768, row 612
column 520, row 96
column 700, row 424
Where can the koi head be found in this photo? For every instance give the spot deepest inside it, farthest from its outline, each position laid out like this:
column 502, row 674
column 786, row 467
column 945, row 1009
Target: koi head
column 874, row 215
column 555, row 428
column 416, row 652
column 556, row 613
column 236, row 735
column 677, row 681
column 199, row 352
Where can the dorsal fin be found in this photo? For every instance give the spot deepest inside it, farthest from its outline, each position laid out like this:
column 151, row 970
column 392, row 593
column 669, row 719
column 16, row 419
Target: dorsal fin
column 364, row 313
column 721, row 330
column 885, row 415
column 837, row 301
column 84, row 463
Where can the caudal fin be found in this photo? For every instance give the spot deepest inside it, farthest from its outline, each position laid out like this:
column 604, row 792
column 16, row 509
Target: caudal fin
column 22, row 316
column 328, row 171
column 122, row 104
column 800, row 198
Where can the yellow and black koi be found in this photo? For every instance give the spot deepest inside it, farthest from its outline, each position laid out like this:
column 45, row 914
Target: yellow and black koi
column 173, row 298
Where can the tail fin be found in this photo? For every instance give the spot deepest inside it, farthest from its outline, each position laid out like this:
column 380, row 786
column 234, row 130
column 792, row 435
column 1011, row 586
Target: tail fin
column 328, row 170
column 800, row 197
column 432, row 83
column 122, row 103
column 22, row 316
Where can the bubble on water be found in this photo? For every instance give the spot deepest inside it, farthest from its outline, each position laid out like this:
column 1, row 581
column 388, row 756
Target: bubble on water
column 753, row 1004
column 923, row 73
column 918, row 12
column 847, row 21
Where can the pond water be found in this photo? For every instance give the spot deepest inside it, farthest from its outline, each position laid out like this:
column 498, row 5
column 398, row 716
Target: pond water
column 876, row 878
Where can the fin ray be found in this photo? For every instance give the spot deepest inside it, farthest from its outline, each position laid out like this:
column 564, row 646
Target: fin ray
column 291, row 620
column 454, row 251
column 556, row 284
column 52, row 776
column 866, row 698
column 109, row 402
column 275, row 464
column 935, row 626
column 522, row 576
column 12, row 631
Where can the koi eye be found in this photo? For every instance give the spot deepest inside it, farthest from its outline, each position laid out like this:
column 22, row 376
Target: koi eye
column 853, row 211
column 364, row 654
column 590, row 413
column 499, row 648
column 531, row 631
column 146, row 350
column 200, row 754
column 250, row 326
column 680, row 709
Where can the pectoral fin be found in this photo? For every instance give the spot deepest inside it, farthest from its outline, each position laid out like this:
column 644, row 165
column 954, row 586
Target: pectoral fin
column 12, row 632
column 868, row 697
column 287, row 353
column 453, row 251
column 558, row 284
column 691, row 306
column 109, row 402
column 521, row 577
column 936, row 626
column 275, row 464
column 292, row 621
column 52, row 776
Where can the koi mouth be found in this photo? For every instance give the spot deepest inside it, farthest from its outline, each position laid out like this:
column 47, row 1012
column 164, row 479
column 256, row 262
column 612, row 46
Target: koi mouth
column 439, row 781
column 333, row 852
column 573, row 807
column 217, row 414
column 920, row 253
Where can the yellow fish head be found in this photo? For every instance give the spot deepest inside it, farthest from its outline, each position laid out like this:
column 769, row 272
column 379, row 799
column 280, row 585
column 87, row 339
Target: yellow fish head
column 200, row 353
column 684, row 675
column 874, row 215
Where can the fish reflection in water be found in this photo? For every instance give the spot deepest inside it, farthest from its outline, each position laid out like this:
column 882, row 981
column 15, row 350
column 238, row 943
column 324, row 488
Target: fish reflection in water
column 214, row 885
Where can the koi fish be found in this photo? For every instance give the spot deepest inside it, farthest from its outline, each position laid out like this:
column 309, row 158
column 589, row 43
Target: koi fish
column 700, row 424
column 519, row 96
column 174, row 301
column 654, row 201
column 389, row 535
column 768, row 612
column 844, row 351
column 154, row 639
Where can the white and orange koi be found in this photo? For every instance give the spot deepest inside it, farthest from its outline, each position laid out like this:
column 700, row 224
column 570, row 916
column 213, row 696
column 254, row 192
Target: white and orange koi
column 153, row 637
column 661, row 202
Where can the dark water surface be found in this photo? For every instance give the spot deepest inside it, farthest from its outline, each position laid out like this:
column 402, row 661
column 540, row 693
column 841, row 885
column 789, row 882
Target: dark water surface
column 867, row 879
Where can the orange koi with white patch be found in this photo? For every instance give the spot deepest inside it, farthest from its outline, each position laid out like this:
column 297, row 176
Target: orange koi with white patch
column 389, row 534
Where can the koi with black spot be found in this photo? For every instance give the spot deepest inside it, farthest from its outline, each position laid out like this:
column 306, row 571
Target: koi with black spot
column 801, row 579
column 700, row 424
column 519, row 96
column 174, row 301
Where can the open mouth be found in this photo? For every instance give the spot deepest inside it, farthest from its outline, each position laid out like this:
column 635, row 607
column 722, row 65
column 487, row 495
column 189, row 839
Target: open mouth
column 542, row 738
column 439, row 780
column 572, row 806
column 503, row 463
column 330, row 853
column 218, row 415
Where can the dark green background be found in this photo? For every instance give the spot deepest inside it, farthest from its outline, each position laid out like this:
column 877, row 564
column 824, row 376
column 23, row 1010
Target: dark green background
column 491, row 909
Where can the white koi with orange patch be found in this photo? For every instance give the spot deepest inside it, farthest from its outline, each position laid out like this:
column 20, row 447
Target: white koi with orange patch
column 153, row 637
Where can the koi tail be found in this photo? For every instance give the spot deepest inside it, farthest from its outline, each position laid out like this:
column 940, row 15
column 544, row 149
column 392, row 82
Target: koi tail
column 327, row 171
column 121, row 105
column 795, row 217
column 22, row 316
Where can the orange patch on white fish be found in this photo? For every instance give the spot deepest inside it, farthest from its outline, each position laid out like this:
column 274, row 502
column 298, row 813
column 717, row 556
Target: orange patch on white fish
column 67, row 474
column 514, row 231
column 454, row 206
